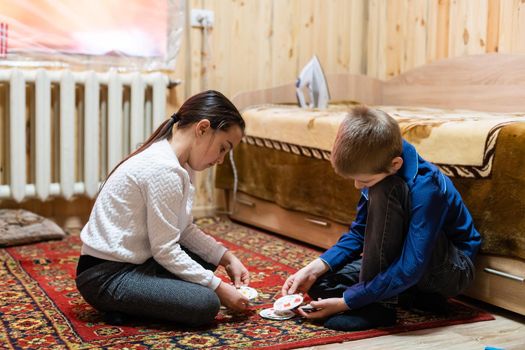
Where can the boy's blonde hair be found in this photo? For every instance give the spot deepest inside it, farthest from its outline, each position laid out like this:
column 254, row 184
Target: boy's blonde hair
column 367, row 141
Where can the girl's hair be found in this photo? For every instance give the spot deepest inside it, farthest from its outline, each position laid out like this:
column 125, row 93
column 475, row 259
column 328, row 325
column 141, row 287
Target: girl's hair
column 210, row 105
column 366, row 142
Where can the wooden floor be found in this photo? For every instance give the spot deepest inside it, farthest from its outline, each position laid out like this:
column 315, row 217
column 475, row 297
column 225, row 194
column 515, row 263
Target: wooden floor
column 507, row 332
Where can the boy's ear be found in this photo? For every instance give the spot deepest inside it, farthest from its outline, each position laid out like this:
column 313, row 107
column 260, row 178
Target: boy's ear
column 397, row 163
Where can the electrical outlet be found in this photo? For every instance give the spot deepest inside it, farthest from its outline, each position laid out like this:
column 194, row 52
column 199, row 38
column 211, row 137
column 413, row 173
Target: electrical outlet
column 201, row 18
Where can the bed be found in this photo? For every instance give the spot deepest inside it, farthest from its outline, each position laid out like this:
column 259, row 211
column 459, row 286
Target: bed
column 466, row 114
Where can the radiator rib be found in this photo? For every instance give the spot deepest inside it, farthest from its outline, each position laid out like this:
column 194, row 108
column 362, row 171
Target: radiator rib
column 91, row 133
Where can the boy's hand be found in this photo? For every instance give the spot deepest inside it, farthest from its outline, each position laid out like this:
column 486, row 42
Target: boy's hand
column 238, row 274
column 302, row 280
column 231, row 298
column 325, row 308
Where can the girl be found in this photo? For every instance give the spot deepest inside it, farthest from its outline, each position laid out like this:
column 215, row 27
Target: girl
column 141, row 253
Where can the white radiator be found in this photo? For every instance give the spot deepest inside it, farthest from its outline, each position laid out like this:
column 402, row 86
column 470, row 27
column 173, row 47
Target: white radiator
column 63, row 131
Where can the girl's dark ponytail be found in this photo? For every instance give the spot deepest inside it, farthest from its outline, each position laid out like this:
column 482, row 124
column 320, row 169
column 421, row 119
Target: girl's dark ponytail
column 211, row 105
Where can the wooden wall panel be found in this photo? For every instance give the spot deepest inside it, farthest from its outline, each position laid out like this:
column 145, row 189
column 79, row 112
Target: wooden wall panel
column 257, row 44
column 440, row 41
column 260, row 44
column 395, row 30
column 357, row 31
column 493, row 19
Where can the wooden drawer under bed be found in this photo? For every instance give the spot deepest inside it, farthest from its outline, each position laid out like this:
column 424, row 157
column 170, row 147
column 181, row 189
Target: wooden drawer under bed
column 499, row 281
column 267, row 215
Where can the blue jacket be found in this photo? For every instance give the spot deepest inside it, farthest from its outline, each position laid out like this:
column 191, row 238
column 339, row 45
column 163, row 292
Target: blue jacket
column 436, row 207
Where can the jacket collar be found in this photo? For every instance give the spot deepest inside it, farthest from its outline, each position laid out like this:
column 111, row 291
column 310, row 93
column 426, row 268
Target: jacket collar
column 410, row 162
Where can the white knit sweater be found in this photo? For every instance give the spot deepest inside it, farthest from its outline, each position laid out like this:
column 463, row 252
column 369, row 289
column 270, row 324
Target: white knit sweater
column 144, row 211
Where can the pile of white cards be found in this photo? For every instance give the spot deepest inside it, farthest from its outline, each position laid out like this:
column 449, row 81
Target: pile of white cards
column 282, row 308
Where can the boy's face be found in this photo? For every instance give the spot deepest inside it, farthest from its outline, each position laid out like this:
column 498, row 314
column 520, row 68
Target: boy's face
column 367, row 180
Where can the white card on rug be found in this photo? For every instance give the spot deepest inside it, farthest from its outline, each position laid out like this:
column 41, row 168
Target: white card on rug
column 288, row 302
column 272, row 314
column 248, row 292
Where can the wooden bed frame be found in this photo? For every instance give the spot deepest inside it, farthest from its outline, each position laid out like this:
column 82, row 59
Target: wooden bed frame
column 489, row 82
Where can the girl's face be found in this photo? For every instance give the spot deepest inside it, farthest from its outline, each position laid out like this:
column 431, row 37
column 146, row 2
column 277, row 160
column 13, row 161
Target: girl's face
column 211, row 146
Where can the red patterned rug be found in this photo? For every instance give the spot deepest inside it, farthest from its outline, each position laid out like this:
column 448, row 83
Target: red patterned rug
column 41, row 308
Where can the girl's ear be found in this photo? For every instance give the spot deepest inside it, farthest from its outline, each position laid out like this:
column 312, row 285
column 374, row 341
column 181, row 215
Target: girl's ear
column 202, row 126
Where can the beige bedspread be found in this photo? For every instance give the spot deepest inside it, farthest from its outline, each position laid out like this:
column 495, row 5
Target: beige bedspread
column 460, row 142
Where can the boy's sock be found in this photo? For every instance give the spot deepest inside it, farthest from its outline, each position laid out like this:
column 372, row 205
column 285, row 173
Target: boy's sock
column 431, row 302
column 370, row 316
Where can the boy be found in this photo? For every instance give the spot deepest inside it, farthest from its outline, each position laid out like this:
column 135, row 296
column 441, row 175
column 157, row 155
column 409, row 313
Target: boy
column 412, row 236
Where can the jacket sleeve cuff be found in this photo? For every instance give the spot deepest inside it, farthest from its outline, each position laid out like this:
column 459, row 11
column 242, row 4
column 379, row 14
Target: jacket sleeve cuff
column 331, row 258
column 355, row 296
column 348, row 302
column 326, row 263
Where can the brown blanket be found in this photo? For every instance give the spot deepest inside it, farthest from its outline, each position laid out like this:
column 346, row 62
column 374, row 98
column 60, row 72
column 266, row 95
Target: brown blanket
column 460, row 142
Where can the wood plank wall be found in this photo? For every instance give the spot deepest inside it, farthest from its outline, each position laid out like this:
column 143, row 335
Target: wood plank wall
column 256, row 44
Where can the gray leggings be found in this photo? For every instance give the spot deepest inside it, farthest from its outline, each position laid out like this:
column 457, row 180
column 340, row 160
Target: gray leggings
column 148, row 290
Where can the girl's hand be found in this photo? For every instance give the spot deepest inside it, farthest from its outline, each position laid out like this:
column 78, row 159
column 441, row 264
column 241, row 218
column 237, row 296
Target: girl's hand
column 239, row 274
column 325, row 308
column 231, row 298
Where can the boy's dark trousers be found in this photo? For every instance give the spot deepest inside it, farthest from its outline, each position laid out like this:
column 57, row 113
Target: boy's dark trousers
column 449, row 272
